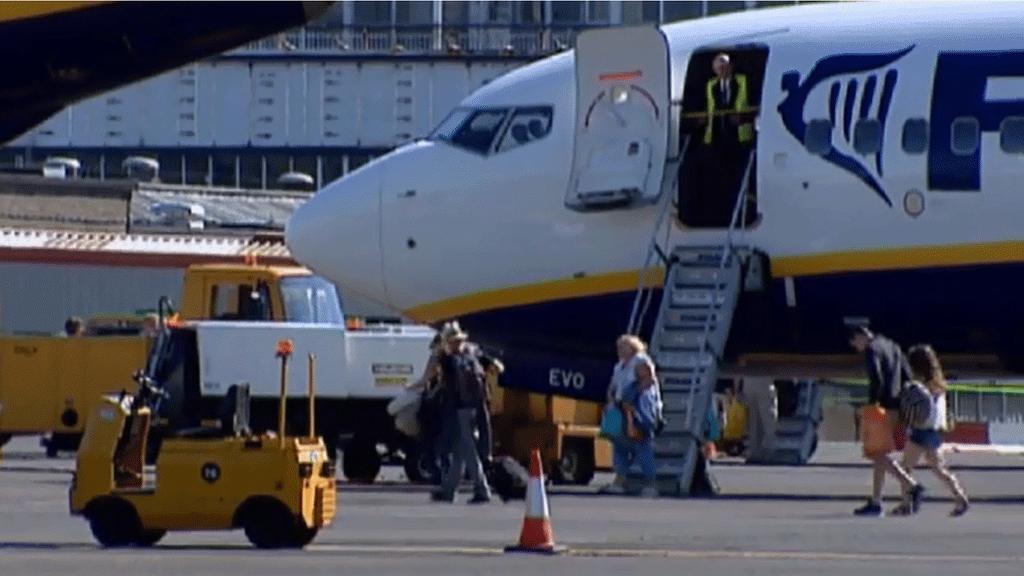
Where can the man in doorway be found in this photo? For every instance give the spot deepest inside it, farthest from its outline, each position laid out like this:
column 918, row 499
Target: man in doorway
column 887, row 374
column 728, row 135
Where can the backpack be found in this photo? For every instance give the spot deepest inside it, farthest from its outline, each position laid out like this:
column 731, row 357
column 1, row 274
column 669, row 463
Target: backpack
column 916, row 405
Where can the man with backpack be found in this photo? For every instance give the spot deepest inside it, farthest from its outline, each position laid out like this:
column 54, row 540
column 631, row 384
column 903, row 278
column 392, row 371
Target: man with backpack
column 463, row 378
column 887, row 374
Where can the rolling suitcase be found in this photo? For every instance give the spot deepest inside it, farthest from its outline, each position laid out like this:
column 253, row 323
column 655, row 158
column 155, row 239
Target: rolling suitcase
column 508, row 478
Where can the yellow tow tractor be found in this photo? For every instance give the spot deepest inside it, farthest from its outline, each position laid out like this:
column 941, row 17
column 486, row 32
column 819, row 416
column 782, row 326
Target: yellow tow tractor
column 279, row 489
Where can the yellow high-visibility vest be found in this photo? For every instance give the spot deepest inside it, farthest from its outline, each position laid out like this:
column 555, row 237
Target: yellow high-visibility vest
column 746, row 131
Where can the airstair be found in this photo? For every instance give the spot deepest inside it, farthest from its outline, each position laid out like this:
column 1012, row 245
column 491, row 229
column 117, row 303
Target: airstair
column 796, row 435
column 700, row 294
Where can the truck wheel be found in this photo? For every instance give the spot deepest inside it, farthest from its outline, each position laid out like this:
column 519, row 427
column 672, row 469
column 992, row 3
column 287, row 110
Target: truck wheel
column 576, row 466
column 360, row 462
column 417, row 469
column 269, row 524
column 148, row 538
column 114, row 522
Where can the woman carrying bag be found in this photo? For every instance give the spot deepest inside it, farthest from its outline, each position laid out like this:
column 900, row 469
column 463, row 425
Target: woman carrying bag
column 640, row 411
column 631, row 350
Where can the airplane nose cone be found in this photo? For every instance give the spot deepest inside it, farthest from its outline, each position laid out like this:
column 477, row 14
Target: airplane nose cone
column 336, row 233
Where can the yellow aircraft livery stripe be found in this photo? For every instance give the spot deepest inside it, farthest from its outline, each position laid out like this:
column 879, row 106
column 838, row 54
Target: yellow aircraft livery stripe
column 898, row 259
column 20, row 10
column 784, row 266
column 576, row 287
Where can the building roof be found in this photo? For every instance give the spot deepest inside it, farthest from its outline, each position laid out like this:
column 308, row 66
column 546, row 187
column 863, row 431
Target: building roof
column 112, row 206
column 147, row 250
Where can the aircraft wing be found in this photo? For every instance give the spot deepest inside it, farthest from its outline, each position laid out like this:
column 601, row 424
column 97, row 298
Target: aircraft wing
column 56, row 53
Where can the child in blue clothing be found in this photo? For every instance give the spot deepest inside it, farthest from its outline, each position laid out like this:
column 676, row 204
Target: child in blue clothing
column 640, row 399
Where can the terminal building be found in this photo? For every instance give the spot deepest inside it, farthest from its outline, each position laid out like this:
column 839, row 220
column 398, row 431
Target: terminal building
column 322, row 100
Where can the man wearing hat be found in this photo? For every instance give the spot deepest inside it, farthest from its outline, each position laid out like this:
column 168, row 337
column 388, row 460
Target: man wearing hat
column 463, row 377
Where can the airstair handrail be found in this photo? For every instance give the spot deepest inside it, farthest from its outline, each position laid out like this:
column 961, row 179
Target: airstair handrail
column 642, row 301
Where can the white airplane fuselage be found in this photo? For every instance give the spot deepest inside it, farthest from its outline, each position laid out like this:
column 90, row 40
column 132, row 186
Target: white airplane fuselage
column 923, row 238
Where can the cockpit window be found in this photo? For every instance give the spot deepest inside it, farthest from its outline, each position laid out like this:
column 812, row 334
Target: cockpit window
column 450, row 125
column 527, row 125
column 479, row 131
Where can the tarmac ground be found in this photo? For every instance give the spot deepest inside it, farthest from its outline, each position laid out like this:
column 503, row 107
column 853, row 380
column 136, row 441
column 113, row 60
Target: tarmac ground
column 768, row 520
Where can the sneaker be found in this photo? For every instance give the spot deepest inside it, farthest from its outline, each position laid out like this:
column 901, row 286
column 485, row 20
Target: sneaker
column 960, row 509
column 916, row 497
column 480, row 499
column 870, row 509
column 649, row 492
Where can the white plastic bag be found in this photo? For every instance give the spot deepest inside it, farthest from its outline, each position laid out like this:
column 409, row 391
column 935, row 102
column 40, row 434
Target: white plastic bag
column 408, row 423
column 404, row 400
column 405, row 410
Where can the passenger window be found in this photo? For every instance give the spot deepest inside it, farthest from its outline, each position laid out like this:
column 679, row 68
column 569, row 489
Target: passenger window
column 818, row 137
column 965, row 136
column 915, row 136
column 867, row 137
column 478, row 132
column 527, row 125
column 1011, row 135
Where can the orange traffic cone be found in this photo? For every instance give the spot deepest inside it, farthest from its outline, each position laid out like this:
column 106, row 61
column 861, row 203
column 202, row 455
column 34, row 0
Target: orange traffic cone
column 536, row 535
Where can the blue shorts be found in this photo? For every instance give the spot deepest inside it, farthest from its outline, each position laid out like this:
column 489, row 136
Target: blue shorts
column 930, row 439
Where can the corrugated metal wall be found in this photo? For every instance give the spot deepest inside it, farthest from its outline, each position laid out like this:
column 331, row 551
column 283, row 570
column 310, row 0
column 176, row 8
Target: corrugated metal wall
column 39, row 297
column 372, row 104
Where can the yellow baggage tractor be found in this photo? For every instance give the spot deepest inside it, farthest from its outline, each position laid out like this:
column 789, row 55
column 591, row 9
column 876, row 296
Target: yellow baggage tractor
column 279, row 489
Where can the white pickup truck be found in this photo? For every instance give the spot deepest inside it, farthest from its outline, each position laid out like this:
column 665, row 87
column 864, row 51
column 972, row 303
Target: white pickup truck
column 357, row 373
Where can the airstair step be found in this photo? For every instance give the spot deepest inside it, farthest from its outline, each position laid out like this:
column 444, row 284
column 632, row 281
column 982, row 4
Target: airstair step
column 675, row 381
column 682, row 339
column 666, row 484
column 698, row 297
column 682, row 318
column 711, row 256
column 685, row 360
column 708, row 277
column 676, row 401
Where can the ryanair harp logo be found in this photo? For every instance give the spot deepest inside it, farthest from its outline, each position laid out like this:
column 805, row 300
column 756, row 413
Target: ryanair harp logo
column 853, row 87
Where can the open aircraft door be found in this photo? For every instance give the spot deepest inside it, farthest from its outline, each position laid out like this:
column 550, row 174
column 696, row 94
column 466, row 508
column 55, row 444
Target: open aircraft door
column 622, row 118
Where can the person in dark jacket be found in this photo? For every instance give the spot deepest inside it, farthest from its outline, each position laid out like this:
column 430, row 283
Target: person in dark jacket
column 887, row 372
column 463, row 378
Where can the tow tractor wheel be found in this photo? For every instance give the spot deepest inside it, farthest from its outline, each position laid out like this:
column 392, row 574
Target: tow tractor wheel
column 148, row 538
column 576, row 466
column 360, row 461
column 269, row 524
column 303, row 535
column 114, row 523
